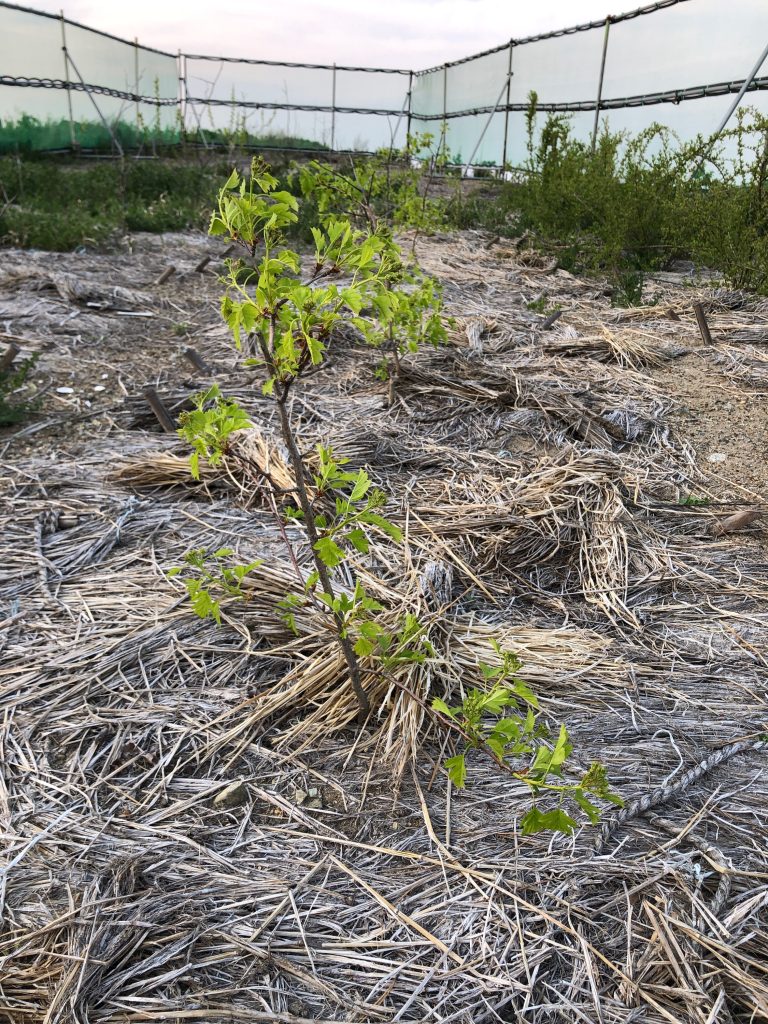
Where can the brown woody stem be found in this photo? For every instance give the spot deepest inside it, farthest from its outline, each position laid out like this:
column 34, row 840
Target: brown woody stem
column 297, row 466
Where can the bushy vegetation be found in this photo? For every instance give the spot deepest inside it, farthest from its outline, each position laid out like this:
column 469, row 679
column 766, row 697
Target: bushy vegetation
column 626, row 207
column 28, row 134
column 633, row 204
column 46, row 204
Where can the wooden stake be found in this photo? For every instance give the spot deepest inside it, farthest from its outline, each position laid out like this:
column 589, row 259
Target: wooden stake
column 197, row 360
column 551, row 319
column 8, row 357
column 202, row 264
column 166, row 274
column 155, row 403
column 701, row 320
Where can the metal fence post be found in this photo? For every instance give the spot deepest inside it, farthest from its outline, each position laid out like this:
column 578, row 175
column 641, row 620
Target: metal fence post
column 182, row 96
column 600, row 82
column 333, row 110
column 72, row 139
column 506, row 113
column 136, row 80
column 444, row 126
column 410, row 108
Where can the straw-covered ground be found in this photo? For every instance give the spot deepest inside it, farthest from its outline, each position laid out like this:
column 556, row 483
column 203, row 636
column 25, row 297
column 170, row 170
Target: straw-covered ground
column 187, row 839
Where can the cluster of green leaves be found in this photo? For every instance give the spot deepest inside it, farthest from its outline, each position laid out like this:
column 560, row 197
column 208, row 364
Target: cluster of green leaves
column 382, row 193
column 283, row 321
column 14, row 406
column 209, row 576
column 350, row 511
column 356, row 505
column 208, row 426
column 502, row 720
column 391, row 186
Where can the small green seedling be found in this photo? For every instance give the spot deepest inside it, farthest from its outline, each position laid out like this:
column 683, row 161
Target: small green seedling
column 208, row 426
column 209, row 576
column 502, row 722
column 692, row 501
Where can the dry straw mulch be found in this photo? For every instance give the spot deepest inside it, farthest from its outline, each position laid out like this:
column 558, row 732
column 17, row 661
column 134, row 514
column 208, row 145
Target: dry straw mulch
column 193, row 829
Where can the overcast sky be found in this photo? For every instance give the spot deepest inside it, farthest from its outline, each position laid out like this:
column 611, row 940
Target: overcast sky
column 397, row 33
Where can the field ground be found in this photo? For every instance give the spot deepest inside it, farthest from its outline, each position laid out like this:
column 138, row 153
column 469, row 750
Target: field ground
column 177, row 854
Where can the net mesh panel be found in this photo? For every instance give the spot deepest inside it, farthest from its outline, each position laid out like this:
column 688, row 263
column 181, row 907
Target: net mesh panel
column 683, row 46
column 478, row 82
column 427, row 96
column 38, row 118
column 240, row 87
column 690, row 44
column 365, row 133
column 559, row 70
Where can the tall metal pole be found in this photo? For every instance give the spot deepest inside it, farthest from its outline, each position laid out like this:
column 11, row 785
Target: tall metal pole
column 600, row 83
column 468, row 164
column 182, row 96
column 506, row 114
column 136, row 80
column 747, row 82
column 333, row 110
column 444, row 126
column 72, row 139
column 410, row 108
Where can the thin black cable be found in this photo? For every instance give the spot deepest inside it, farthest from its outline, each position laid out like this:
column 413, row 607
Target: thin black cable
column 99, row 90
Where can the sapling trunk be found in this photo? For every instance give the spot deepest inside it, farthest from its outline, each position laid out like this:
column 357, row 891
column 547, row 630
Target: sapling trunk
column 297, row 465
column 322, row 571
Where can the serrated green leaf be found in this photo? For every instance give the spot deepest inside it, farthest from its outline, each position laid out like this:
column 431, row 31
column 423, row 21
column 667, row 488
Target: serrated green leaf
column 547, row 821
column 457, row 770
column 358, row 540
column 329, row 552
column 592, row 812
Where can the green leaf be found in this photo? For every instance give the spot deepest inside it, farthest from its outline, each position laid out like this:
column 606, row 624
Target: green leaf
column 547, row 821
column 364, row 647
column 496, row 700
column 358, row 540
column 522, row 690
column 383, row 524
column 592, row 812
column 457, row 770
column 362, row 485
column 442, row 707
column 329, row 552
column 232, row 181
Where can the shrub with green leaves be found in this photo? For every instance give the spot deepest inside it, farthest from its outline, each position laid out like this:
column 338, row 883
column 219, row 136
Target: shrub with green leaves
column 283, row 321
column 633, row 203
column 382, row 193
column 209, row 576
column 282, row 315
